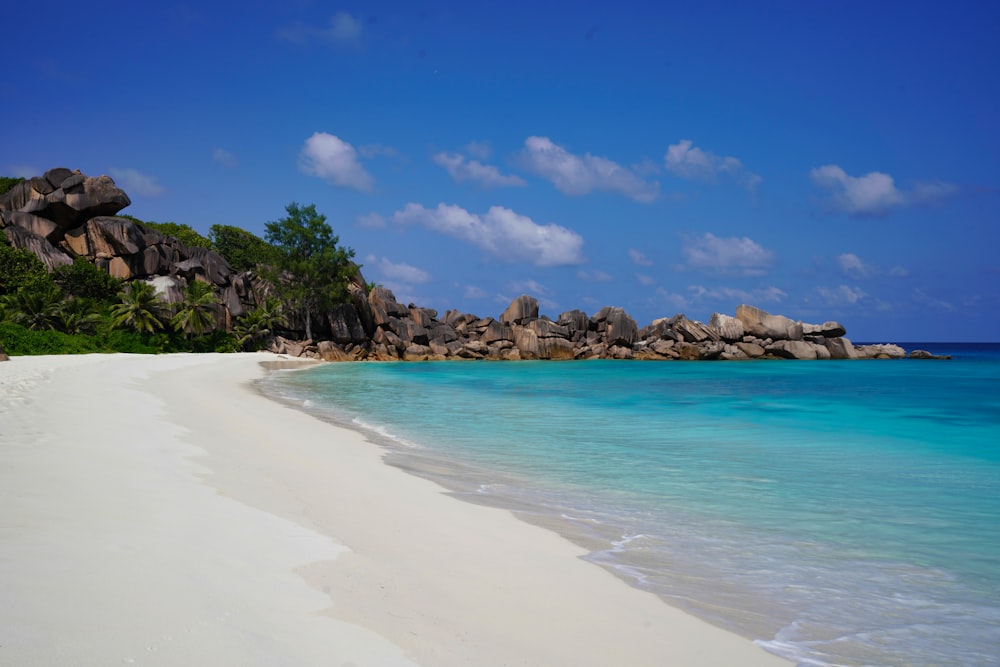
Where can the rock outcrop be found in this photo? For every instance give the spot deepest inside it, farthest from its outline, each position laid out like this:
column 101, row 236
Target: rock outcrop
column 64, row 214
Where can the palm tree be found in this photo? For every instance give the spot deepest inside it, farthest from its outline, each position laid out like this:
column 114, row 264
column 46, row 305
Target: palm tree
column 140, row 308
column 37, row 309
column 259, row 323
column 78, row 316
column 196, row 313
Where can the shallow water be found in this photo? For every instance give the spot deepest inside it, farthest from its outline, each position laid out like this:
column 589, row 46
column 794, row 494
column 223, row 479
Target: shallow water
column 840, row 513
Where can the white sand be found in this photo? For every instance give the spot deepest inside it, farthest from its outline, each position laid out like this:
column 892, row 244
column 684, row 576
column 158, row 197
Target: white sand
column 157, row 511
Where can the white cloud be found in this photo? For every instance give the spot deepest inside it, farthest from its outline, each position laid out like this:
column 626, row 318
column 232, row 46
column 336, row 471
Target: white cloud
column 875, row 194
column 473, row 292
column 474, row 170
column 737, row 296
column 135, row 182
column 225, row 158
column 685, row 160
column 853, row 266
column 842, row 295
column 924, row 298
column 639, row 258
column 713, row 254
column 401, row 272
column 576, row 175
column 500, row 232
column 646, row 281
column 330, row 158
column 343, row 29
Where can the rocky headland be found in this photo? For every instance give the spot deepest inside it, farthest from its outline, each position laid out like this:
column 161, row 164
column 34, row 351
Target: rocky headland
column 65, row 214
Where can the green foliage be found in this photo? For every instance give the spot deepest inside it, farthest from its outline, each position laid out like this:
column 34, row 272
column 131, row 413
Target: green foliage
column 79, row 316
column 35, row 309
column 21, row 269
column 256, row 327
column 196, row 313
column 186, row 234
column 19, row 340
column 243, row 250
column 314, row 269
column 7, row 182
column 140, row 309
column 83, row 279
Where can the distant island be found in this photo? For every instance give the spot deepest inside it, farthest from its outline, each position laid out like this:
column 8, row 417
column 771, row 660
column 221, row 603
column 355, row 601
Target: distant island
column 77, row 277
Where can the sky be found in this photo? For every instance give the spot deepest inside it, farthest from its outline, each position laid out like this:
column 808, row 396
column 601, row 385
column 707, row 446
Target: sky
column 821, row 160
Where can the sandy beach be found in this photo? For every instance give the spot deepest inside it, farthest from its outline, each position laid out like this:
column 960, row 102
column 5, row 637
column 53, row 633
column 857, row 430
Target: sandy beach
column 158, row 511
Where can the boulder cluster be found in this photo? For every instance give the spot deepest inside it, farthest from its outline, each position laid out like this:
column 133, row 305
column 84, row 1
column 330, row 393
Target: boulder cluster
column 374, row 326
column 64, row 214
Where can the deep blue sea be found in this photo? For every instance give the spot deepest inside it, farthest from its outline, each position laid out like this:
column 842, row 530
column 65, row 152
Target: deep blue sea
column 837, row 512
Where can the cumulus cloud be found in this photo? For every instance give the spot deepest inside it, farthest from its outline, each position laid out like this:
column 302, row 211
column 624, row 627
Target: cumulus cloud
column 638, row 258
column 712, row 254
column 875, row 194
column 334, row 160
column 579, row 175
column 500, row 232
column 401, row 272
column 686, row 160
column 225, row 158
column 134, row 182
column 343, row 29
column 486, row 175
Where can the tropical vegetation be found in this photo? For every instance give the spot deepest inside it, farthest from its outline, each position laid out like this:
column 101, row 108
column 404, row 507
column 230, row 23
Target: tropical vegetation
column 80, row 308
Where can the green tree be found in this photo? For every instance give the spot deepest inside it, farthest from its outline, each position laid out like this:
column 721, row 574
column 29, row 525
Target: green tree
column 140, row 309
column 78, row 316
column 35, row 309
column 186, row 234
column 314, row 270
column 6, row 183
column 243, row 250
column 196, row 313
column 21, row 269
column 256, row 326
column 83, row 279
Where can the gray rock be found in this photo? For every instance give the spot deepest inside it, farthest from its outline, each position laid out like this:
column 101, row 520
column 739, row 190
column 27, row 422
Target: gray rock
column 924, row 354
column 762, row 324
column 826, row 330
column 793, row 349
column 50, row 255
column 727, row 328
column 840, row 348
column 520, row 309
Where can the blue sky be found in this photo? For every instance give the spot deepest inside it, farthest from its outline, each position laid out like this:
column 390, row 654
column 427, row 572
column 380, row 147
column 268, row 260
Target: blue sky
column 823, row 160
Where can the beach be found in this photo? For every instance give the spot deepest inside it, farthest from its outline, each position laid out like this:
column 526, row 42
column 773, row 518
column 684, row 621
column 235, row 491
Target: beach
column 158, row 510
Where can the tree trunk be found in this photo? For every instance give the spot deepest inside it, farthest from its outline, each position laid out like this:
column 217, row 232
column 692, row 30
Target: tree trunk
column 309, row 332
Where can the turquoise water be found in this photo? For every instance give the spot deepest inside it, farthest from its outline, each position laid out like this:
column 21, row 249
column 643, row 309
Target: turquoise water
column 839, row 513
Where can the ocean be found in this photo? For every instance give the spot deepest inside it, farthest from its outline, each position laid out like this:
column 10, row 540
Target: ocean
column 836, row 512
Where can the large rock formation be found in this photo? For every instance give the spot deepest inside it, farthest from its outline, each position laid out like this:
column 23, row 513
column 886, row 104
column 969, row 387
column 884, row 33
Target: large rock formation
column 62, row 215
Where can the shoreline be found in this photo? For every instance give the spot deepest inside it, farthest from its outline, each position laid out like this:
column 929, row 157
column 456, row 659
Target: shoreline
column 180, row 491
